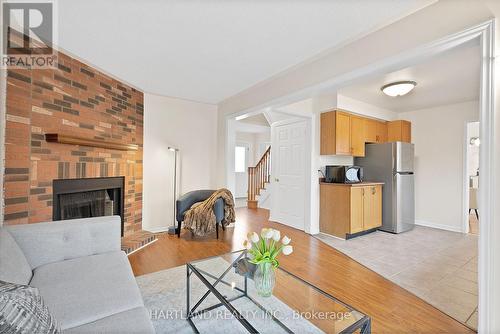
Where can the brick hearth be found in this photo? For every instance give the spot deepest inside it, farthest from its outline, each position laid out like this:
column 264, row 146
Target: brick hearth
column 78, row 100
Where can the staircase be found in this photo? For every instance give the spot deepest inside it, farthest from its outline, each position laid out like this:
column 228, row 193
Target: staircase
column 258, row 177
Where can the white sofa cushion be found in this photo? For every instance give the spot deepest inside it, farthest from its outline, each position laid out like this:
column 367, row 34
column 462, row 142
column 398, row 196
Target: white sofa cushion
column 135, row 321
column 50, row 242
column 86, row 289
column 14, row 267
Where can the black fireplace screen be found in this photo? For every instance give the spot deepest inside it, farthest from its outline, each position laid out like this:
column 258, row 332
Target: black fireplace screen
column 92, row 197
column 85, row 204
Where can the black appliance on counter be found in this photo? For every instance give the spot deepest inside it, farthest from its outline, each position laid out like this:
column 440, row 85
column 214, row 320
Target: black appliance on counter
column 344, row 174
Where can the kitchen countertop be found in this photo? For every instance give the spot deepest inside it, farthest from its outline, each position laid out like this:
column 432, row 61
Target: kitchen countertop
column 361, row 184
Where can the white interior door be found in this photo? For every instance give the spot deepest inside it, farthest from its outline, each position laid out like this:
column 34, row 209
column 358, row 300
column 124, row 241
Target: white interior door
column 289, row 166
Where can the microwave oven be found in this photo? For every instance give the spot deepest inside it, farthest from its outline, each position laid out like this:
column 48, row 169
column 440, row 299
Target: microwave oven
column 344, row 174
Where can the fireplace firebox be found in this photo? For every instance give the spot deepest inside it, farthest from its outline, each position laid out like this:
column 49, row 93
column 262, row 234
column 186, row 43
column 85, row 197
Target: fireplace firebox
column 88, row 197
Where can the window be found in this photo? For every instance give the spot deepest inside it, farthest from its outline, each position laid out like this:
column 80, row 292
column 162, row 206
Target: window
column 240, row 160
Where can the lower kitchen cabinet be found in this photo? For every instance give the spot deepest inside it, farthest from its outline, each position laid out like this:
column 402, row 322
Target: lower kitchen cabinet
column 350, row 209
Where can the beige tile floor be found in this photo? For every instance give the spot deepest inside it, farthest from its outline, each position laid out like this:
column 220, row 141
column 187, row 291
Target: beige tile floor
column 438, row 266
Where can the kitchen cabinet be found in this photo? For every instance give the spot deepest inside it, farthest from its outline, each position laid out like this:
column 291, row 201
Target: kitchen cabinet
column 371, row 130
column 381, row 132
column 375, row 131
column 357, row 213
column 357, row 136
column 342, row 134
column 335, row 133
column 349, row 209
column 372, row 207
column 399, row 131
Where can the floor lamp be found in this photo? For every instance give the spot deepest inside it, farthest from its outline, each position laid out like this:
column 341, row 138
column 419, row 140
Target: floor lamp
column 171, row 229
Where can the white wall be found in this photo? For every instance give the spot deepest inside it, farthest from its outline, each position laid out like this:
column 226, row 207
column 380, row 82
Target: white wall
column 261, row 140
column 192, row 128
column 247, row 138
column 365, row 109
column 439, row 135
column 255, row 140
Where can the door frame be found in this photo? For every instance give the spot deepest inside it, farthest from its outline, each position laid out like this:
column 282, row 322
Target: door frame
column 307, row 166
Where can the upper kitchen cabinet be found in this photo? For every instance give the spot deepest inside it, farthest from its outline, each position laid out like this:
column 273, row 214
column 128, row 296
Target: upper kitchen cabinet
column 335, row 133
column 357, row 136
column 381, row 132
column 399, row 131
column 342, row 134
column 375, row 131
column 370, row 130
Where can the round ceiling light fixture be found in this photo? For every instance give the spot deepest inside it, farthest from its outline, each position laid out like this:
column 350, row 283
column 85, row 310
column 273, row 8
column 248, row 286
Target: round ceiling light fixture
column 398, row 88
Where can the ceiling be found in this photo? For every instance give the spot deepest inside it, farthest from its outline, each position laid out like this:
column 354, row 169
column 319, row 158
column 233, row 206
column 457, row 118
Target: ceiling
column 451, row 77
column 258, row 119
column 248, row 127
column 209, row 50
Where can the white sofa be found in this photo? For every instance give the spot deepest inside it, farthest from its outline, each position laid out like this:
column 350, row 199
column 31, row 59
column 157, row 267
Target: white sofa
column 83, row 276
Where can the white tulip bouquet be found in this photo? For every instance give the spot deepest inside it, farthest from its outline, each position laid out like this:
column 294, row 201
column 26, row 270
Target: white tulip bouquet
column 266, row 248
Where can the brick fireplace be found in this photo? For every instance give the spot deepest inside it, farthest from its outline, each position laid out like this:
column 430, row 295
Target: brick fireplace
column 74, row 99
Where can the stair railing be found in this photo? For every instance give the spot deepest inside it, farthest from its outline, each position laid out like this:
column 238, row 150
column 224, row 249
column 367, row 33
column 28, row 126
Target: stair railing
column 258, row 176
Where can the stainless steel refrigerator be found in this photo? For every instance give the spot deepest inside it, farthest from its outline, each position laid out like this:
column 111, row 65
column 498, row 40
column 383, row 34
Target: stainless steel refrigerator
column 392, row 163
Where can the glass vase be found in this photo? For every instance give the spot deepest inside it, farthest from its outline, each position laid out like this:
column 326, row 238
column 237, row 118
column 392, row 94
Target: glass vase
column 265, row 279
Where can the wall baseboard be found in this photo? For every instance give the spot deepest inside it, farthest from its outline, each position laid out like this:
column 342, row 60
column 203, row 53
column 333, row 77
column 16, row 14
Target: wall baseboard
column 438, row 226
column 156, row 229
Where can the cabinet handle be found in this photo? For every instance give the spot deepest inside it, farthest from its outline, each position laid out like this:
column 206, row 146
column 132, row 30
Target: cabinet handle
column 374, row 190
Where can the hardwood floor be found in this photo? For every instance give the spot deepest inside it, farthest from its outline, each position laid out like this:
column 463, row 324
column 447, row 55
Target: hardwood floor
column 392, row 309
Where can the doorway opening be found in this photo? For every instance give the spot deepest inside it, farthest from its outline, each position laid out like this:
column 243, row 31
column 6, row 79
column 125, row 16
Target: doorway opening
column 471, row 181
column 252, row 137
column 268, row 164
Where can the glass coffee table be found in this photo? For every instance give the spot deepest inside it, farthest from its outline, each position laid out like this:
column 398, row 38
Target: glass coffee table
column 221, row 297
